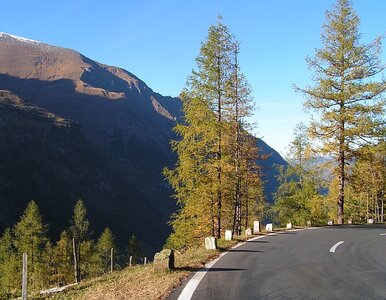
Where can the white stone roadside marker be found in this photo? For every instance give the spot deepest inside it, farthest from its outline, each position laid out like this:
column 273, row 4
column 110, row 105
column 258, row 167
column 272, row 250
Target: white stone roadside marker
column 210, row 243
column 228, row 235
column 256, row 227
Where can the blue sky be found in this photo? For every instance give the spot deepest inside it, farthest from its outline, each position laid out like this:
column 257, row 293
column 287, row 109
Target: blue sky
column 159, row 40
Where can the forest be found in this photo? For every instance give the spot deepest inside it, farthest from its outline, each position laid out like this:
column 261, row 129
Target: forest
column 74, row 257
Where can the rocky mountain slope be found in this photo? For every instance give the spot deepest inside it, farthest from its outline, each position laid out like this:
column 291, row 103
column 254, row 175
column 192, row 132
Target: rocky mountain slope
column 74, row 128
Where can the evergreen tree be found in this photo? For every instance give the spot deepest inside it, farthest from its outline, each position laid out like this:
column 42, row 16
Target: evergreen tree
column 346, row 92
column 133, row 248
column 10, row 268
column 212, row 151
column 105, row 242
column 210, row 83
column 63, row 272
column 367, row 188
column 251, row 184
column 30, row 237
column 242, row 153
column 198, row 179
column 298, row 199
column 84, row 245
column 79, row 223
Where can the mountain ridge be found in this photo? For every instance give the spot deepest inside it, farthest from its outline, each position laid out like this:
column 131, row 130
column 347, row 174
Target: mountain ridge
column 123, row 129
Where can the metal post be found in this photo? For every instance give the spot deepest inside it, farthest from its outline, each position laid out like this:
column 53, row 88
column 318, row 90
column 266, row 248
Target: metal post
column 130, row 260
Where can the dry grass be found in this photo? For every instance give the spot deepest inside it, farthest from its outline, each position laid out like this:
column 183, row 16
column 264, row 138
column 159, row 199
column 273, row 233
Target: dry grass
column 141, row 282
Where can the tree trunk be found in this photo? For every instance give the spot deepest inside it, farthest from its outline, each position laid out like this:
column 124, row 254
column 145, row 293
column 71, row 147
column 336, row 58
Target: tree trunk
column 341, row 188
column 367, row 206
column 76, row 261
column 341, row 161
column 219, row 194
column 219, row 150
column 246, row 210
column 237, row 208
column 213, row 216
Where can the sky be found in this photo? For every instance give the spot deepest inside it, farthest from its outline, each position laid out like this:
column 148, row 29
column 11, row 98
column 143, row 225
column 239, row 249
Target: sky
column 159, row 40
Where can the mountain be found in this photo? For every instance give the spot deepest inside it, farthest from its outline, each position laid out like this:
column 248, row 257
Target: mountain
column 269, row 168
column 74, row 128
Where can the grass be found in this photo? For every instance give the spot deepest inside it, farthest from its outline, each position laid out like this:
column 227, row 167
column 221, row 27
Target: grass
column 142, row 282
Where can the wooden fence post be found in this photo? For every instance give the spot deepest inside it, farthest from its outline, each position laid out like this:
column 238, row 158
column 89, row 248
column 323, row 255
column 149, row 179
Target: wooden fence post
column 76, row 262
column 24, row 292
column 112, row 260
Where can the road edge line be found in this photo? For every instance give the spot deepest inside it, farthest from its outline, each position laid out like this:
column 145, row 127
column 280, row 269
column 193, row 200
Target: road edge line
column 191, row 286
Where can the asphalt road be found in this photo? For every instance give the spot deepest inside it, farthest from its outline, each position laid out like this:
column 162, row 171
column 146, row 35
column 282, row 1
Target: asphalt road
column 342, row 262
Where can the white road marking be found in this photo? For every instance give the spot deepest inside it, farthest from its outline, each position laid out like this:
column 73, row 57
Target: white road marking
column 382, row 234
column 333, row 248
column 238, row 245
column 191, row 286
column 189, row 289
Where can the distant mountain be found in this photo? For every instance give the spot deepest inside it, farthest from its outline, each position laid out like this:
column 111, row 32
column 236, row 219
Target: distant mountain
column 269, row 168
column 74, row 128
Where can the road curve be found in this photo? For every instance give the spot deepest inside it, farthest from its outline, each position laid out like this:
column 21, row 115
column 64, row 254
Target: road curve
column 299, row 265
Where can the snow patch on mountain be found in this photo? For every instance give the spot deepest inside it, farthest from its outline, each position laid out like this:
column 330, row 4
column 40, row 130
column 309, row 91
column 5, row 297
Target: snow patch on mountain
column 14, row 39
column 21, row 39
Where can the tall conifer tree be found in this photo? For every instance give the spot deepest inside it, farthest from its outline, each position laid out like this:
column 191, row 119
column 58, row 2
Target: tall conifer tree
column 297, row 198
column 239, row 107
column 105, row 242
column 198, row 176
column 30, row 237
column 84, row 245
column 63, row 260
column 212, row 160
column 347, row 90
column 10, row 268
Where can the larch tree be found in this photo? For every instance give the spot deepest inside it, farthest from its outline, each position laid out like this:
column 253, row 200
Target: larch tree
column 104, row 244
column 30, row 237
column 368, row 182
column 297, row 198
column 79, row 223
column 347, row 91
column 198, row 178
column 214, row 151
column 133, row 248
column 252, row 190
column 63, row 260
column 83, row 244
column 238, row 107
column 210, row 83
column 192, row 177
column 10, row 267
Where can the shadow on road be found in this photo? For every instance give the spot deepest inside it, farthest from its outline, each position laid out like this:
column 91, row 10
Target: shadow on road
column 259, row 242
column 208, row 270
column 246, row 251
column 361, row 226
